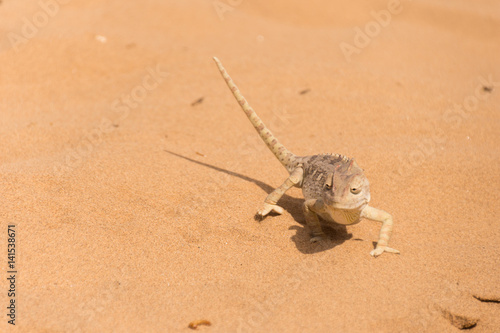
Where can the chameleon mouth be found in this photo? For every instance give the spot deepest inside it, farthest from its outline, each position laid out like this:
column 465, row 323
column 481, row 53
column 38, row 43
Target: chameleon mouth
column 340, row 202
column 348, row 206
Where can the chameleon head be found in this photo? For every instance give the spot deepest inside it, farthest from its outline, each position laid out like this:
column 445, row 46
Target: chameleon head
column 346, row 187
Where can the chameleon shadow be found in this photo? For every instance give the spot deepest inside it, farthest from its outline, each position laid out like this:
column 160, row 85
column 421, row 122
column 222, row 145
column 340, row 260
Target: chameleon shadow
column 334, row 235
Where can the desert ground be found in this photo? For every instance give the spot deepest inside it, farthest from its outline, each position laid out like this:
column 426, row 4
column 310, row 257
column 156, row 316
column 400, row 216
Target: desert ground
column 130, row 177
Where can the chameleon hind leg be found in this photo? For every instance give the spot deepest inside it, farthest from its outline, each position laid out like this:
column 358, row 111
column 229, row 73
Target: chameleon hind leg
column 270, row 204
column 312, row 220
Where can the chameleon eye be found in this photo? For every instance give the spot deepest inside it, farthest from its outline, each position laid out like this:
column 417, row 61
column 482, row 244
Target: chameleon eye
column 355, row 190
column 329, row 181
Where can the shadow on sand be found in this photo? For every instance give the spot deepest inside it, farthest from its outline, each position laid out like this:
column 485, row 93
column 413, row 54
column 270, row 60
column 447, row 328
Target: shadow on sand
column 335, row 235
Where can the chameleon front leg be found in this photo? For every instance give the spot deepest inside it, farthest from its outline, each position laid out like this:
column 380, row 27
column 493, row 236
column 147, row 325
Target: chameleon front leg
column 270, row 204
column 385, row 231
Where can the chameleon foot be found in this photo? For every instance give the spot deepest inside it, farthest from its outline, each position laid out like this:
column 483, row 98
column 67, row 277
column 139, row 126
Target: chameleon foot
column 317, row 238
column 269, row 208
column 381, row 249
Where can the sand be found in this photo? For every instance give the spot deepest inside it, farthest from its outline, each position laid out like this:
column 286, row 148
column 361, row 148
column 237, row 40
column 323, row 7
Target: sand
column 132, row 176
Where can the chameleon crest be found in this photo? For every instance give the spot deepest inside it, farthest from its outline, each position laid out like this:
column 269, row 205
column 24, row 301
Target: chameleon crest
column 335, row 188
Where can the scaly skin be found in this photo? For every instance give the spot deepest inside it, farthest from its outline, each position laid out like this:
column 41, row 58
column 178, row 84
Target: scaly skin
column 334, row 186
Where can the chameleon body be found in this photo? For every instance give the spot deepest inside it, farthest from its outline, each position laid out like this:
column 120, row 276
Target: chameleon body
column 334, row 186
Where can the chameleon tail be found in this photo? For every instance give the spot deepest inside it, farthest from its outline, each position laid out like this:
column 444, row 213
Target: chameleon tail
column 286, row 157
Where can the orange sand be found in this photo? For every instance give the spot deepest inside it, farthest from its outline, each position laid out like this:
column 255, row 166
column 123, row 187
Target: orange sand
column 116, row 234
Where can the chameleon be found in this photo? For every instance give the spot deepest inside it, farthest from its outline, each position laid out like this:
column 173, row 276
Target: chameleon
column 335, row 188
